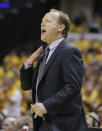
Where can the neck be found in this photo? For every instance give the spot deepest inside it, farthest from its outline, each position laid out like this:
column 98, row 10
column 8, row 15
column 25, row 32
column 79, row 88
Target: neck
column 59, row 37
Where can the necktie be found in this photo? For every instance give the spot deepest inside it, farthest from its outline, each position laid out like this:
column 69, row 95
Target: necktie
column 41, row 68
column 42, row 64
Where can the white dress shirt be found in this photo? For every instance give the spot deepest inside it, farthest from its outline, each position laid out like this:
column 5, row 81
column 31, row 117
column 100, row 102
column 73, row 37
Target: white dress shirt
column 52, row 47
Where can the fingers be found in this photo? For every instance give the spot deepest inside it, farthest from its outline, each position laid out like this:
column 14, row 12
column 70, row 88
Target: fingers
column 36, row 114
column 38, row 51
column 34, row 56
column 35, row 107
column 38, row 109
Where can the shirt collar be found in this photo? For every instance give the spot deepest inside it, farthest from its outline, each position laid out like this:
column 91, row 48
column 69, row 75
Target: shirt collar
column 55, row 43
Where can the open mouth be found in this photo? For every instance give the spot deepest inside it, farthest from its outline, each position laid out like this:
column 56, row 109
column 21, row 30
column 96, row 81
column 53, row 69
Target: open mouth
column 43, row 31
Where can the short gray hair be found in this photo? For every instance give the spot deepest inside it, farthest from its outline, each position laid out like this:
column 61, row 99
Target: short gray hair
column 63, row 19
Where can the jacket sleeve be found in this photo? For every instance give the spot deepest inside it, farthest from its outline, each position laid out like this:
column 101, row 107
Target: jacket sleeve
column 72, row 72
column 26, row 76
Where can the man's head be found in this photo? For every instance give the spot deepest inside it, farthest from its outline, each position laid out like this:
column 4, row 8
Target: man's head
column 24, row 121
column 55, row 24
column 99, row 112
column 10, row 124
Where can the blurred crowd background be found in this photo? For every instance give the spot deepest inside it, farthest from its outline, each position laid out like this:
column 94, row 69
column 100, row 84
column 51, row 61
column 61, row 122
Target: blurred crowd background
column 20, row 36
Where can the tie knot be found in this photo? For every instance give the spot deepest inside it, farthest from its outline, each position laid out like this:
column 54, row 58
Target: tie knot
column 47, row 49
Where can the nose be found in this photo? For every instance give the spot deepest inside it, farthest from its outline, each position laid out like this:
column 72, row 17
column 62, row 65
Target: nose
column 42, row 24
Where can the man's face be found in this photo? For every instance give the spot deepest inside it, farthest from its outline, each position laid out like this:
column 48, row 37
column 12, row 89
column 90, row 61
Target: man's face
column 49, row 27
column 7, row 126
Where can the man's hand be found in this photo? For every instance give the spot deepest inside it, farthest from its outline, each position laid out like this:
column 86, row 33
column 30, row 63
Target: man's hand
column 32, row 58
column 38, row 109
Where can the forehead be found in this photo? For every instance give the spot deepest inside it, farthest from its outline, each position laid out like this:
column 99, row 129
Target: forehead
column 51, row 15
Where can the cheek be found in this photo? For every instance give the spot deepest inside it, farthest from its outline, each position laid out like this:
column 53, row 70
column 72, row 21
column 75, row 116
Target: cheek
column 52, row 31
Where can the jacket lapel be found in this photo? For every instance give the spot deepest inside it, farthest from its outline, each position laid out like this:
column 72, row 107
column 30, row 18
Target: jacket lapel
column 57, row 50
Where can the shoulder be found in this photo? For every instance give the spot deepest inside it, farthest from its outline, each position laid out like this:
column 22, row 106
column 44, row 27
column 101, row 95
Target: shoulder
column 69, row 49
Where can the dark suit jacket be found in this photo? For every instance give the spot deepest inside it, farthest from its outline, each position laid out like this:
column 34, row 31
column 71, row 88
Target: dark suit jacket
column 59, row 89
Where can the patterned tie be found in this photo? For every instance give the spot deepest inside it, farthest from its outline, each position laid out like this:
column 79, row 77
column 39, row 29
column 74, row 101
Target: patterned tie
column 41, row 68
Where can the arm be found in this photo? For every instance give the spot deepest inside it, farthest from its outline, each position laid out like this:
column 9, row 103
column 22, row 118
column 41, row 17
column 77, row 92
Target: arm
column 72, row 71
column 26, row 75
column 26, row 78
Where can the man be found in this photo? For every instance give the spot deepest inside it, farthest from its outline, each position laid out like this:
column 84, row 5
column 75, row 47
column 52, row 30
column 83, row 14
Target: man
column 10, row 124
column 57, row 95
column 99, row 113
column 13, row 98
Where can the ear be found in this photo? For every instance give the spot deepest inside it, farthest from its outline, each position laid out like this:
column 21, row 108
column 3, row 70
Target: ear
column 61, row 27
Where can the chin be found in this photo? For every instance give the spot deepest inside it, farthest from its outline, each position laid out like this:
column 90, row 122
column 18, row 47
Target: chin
column 43, row 39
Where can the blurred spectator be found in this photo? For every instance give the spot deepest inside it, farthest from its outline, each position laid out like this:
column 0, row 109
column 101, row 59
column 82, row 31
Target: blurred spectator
column 80, row 19
column 99, row 113
column 2, row 117
column 11, row 60
column 89, row 93
column 92, row 120
column 95, row 25
column 24, row 121
column 31, row 125
column 87, row 107
column 10, row 124
column 27, row 100
column 13, row 98
column 82, row 44
column 1, row 73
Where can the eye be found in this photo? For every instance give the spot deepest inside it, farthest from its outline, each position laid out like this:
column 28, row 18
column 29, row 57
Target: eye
column 49, row 21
